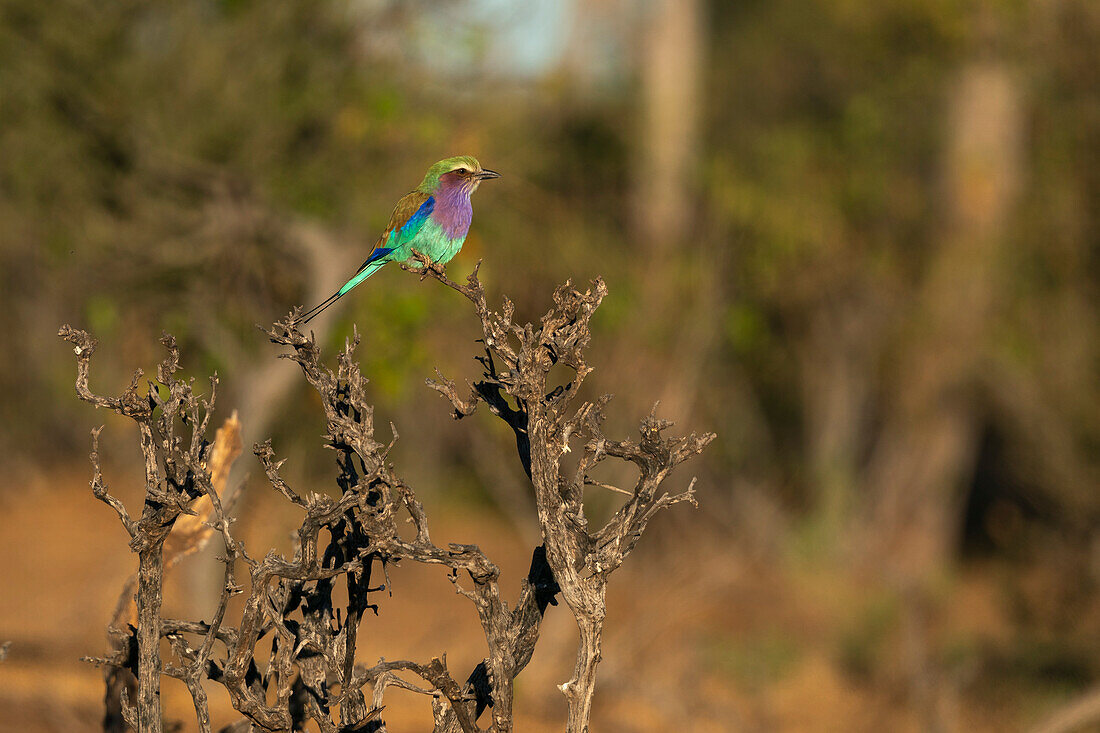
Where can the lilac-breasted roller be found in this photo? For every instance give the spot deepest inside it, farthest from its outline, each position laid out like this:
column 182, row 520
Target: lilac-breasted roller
column 432, row 220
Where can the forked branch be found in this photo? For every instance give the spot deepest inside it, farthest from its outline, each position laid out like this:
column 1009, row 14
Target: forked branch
column 291, row 608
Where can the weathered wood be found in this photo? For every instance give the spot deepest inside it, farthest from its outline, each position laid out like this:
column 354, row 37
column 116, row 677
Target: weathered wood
column 311, row 672
column 547, row 423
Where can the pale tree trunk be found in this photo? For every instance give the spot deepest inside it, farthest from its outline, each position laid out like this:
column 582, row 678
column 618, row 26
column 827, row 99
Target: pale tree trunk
column 928, row 445
column 680, row 292
column 671, row 56
column 273, row 381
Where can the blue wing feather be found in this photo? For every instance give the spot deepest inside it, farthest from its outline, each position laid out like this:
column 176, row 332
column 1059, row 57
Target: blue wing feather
column 377, row 254
column 417, row 219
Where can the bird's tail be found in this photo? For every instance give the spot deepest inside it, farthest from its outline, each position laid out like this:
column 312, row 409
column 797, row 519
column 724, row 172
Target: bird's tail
column 368, row 269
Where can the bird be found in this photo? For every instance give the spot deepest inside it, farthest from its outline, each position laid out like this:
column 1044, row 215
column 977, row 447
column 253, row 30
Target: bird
column 433, row 219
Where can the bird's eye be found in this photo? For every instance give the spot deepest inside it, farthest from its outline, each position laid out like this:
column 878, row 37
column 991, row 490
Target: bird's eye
column 461, row 171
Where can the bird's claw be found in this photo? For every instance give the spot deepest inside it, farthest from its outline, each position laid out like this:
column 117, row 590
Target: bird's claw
column 428, row 265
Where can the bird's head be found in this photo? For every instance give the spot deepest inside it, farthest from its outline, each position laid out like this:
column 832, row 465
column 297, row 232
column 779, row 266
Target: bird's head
column 461, row 173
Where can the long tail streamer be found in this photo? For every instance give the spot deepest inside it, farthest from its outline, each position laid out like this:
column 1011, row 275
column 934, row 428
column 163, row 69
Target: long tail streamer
column 372, row 265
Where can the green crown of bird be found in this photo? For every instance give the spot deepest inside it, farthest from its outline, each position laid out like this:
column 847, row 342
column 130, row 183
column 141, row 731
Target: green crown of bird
column 432, row 220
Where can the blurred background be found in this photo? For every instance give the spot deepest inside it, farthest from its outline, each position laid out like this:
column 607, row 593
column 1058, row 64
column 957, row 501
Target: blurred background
column 860, row 241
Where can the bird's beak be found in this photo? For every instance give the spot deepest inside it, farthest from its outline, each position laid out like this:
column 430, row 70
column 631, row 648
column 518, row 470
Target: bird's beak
column 485, row 174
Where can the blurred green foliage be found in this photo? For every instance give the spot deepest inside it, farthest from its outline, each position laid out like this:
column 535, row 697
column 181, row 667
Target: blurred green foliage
column 157, row 159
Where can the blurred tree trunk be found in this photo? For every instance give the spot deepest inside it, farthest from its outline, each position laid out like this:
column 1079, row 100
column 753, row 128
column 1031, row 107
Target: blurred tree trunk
column 271, row 381
column 836, row 364
column 678, row 297
column 671, row 55
column 928, row 444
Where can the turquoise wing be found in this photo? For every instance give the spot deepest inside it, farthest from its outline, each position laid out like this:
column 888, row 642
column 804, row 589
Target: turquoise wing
column 408, row 218
column 406, row 221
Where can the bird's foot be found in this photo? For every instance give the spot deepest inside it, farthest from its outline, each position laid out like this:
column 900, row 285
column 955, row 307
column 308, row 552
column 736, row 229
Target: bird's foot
column 425, row 266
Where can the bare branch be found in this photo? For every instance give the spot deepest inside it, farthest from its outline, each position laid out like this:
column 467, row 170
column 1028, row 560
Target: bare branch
column 290, row 603
column 541, row 416
column 99, row 487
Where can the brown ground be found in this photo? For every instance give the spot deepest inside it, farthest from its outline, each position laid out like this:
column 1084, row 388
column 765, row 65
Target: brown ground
column 770, row 646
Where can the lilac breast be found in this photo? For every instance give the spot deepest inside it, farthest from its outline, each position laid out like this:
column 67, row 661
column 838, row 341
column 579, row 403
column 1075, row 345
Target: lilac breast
column 453, row 212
